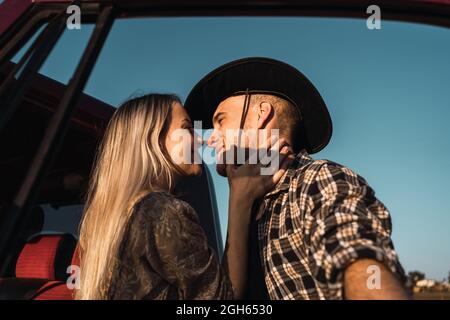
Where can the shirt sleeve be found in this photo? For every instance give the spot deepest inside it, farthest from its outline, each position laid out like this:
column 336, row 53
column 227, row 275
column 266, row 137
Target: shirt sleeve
column 180, row 251
column 347, row 223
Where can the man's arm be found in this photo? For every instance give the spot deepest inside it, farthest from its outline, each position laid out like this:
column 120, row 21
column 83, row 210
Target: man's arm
column 368, row 279
column 350, row 238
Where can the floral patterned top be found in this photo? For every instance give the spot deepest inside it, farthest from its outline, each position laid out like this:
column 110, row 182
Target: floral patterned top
column 164, row 254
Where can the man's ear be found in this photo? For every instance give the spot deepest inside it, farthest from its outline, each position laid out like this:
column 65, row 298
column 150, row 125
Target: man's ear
column 265, row 113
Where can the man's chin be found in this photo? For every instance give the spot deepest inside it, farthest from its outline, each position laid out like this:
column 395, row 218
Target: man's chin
column 221, row 169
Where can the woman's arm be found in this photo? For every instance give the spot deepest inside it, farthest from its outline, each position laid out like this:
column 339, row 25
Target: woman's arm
column 246, row 185
column 236, row 248
column 176, row 248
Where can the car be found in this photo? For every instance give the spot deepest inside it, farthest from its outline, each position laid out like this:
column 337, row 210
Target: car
column 49, row 131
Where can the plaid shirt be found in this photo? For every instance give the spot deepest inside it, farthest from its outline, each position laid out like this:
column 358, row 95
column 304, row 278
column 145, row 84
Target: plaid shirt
column 318, row 219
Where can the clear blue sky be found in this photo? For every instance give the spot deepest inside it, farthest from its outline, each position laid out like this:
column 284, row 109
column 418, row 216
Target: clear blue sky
column 388, row 92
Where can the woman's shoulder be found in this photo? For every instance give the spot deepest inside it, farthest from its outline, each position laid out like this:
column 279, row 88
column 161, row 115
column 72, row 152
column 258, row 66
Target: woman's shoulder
column 158, row 204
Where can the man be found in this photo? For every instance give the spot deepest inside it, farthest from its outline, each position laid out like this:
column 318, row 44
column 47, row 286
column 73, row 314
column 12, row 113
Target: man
column 320, row 233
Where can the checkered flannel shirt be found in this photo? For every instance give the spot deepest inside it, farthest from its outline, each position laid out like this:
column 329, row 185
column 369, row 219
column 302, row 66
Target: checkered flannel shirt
column 317, row 220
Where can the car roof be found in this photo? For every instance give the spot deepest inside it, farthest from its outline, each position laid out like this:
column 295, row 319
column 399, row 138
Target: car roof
column 435, row 12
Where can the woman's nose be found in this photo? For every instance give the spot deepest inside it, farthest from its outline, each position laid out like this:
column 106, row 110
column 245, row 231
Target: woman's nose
column 199, row 139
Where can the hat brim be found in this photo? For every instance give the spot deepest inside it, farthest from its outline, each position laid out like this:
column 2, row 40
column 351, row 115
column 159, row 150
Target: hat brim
column 264, row 75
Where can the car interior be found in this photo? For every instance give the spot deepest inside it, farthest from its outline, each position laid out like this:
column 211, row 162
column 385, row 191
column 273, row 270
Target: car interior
column 39, row 264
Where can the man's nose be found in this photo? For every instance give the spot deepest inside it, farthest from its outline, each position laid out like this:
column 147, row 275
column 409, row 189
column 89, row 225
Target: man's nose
column 212, row 140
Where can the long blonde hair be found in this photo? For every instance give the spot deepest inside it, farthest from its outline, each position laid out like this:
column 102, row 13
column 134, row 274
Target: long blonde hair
column 131, row 162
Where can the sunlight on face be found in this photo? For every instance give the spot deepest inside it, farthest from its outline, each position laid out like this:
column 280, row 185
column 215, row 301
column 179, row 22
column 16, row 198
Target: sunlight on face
column 181, row 137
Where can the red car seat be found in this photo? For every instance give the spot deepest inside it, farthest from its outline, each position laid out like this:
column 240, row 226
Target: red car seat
column 41, row 269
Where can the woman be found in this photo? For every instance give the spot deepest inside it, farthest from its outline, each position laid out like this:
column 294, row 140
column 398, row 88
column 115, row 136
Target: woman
column 137, row 240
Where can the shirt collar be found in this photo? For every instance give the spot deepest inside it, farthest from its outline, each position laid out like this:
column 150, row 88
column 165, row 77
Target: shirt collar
column 301, row 159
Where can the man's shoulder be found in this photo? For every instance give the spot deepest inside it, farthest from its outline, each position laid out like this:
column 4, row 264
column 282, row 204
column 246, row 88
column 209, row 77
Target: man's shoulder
column 315, row 165
column 324, row 169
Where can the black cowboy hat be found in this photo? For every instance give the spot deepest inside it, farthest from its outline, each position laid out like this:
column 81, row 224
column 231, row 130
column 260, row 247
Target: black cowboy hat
column 263, row 75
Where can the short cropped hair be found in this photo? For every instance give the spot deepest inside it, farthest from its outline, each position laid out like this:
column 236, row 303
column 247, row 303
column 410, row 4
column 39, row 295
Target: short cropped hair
column 288, row 117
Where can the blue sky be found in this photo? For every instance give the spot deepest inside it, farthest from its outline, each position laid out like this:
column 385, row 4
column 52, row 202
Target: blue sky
column 388, row 92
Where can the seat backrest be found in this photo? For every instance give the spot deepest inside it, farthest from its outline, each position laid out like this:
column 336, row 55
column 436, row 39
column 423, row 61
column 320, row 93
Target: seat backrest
column 55, row 290
column 46, row 257
column 41, row 269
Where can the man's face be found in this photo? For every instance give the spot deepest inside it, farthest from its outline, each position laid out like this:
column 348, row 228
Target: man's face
column 228, row 117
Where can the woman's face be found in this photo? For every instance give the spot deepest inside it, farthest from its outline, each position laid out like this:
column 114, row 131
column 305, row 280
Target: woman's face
column 182, row 143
